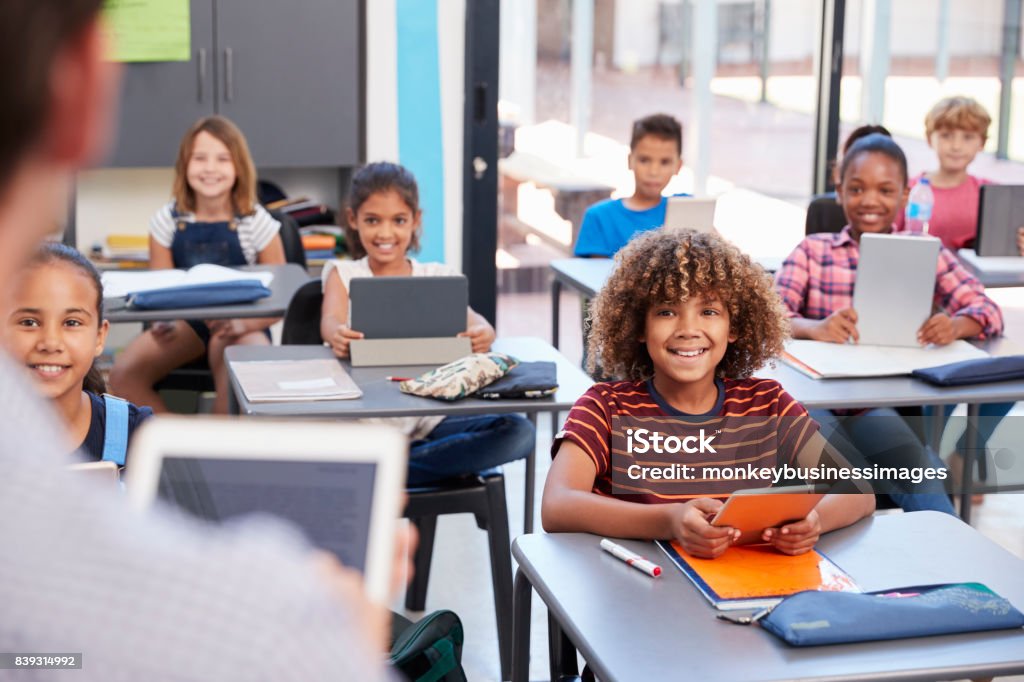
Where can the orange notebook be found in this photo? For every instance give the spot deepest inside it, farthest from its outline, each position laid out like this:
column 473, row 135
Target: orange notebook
column 757, row 576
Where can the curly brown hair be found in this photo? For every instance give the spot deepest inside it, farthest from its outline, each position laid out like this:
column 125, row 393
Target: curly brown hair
column 671, row 265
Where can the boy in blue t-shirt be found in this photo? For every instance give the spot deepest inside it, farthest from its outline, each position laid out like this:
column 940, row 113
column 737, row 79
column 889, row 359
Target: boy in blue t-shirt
column 656, row 154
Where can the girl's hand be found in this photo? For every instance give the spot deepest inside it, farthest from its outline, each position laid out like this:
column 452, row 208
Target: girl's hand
column 230, row 329
column 795, row 538
column 690, row 527
column 939, row 329
column 838, row 327
column 341, row 338
column 481, row 336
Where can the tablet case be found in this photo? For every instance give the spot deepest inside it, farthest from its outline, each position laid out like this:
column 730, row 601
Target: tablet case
column 895, row 287
column 981, row 371
column 409, row 307
column 817, row 618
column 1000, row 213
column 198, row 295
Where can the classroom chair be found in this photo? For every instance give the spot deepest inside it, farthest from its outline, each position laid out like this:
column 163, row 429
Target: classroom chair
column 195, row 377
column 481, row 494
column 824, row 214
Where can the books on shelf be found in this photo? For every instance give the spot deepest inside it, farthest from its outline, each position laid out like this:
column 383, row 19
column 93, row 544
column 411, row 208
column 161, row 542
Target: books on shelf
column 757, row 576
column 821, row 360
column 294, row 380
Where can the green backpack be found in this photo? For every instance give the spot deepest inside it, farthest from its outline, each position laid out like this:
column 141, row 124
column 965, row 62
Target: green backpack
column 429, row 650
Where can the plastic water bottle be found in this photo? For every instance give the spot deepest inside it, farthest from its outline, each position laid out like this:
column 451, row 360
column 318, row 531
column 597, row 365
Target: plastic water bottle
column 919, row 206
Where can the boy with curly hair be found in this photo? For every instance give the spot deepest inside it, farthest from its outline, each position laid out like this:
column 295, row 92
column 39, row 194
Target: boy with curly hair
column 684, row 320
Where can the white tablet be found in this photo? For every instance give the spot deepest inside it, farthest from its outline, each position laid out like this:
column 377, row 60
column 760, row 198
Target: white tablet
column 755, row 509
column 895, row 287
column 341, row 483
column 691, row 213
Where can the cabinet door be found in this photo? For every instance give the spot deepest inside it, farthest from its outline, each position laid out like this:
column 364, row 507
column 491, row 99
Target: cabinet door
column 290, row 76
column 160, row 100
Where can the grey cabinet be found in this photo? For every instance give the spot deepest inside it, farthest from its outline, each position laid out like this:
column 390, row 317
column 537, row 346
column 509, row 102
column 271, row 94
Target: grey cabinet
column 288, row 73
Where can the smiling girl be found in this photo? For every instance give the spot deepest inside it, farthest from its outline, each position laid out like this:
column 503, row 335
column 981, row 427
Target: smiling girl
column 213, row 218
column 384, row 219
column 55, row 326
column 816, row 284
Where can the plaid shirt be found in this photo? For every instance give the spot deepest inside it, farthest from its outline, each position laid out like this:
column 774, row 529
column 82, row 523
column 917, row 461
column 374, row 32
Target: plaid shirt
column 817, row 279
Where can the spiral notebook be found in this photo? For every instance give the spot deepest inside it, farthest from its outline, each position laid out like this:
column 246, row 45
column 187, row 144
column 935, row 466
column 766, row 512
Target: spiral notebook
column 757, row 576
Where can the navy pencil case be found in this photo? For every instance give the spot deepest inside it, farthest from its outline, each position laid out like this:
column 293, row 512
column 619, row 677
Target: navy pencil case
column 815, row 618
column 198, row 295
column 983, row 370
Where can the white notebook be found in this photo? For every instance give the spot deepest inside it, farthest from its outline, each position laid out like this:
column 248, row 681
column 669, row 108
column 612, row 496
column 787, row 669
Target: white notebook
column 294, row 380
column 821, row 360
column 118, row 283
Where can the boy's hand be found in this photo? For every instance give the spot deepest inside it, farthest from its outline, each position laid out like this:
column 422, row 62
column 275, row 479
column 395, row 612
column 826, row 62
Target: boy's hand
column 795, row 538
column 838, row 327
column 341, row 339
column 939, row 329
column 689, row 524
column 480, row 336
column 1020, row 240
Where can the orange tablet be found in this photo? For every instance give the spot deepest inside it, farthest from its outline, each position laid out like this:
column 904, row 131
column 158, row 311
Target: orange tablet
column 754, row 509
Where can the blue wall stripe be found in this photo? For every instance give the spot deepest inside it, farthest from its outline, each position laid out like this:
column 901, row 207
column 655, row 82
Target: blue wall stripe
column 420, row 147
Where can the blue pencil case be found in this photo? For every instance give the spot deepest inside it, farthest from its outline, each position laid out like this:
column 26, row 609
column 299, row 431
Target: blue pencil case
column 816, row 618
column 198, row 295
column 983, row 370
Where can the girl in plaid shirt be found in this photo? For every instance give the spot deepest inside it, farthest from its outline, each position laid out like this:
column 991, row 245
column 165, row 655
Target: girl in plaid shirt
column 816, row 285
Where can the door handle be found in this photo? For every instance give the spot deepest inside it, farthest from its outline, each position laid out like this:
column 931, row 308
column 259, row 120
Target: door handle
column 201, row 73
column 229, row 74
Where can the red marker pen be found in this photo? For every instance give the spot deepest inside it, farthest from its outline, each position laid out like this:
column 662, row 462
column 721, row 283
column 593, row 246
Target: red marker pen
column 631, row 558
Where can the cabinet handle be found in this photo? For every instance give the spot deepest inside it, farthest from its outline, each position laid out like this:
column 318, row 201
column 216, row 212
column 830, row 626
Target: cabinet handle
column 201, row 68
column 229, row 73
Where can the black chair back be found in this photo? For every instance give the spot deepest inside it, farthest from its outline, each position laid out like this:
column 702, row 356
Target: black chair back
column 302, row 319
column 824, row 214
column 291, row 239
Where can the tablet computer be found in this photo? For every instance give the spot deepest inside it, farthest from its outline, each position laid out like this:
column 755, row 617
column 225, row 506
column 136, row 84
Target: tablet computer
column 341, row 483
column 755, row 509
column 691, row 213
column 408, row 307
column 894, row 288
column 1000, row 213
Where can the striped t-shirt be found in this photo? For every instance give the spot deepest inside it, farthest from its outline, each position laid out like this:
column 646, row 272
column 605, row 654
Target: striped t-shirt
column 255, row 231
column 755, row 425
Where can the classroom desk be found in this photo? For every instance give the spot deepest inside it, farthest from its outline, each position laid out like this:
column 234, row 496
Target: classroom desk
column 381, row 398
column 631, row 627
column 902, row 391
column 588, row 275
column 287, row 278
column 994, row 272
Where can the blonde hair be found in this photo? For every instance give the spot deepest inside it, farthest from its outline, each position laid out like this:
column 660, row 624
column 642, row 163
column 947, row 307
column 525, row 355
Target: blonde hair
column 958, row 113
column 243, row 194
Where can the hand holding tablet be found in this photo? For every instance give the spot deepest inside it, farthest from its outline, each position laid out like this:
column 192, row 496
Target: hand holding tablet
column 754, row 510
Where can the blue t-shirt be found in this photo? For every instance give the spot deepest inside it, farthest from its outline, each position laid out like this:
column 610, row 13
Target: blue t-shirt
column 92, row 446
column 609, row 224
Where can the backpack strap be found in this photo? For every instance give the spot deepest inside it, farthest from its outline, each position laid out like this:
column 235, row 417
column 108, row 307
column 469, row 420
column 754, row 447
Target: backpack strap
column 115, row 436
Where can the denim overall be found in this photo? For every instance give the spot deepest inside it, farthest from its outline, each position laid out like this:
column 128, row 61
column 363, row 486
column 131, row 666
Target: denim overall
column 201, row 242
column 198, row 242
